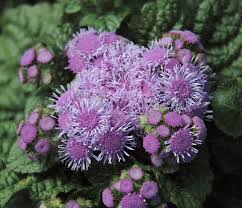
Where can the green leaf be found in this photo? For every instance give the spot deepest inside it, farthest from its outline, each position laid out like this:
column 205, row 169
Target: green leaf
column 189, row 187
column 108, row 22
column 10, row 183
column 19, row 162
column 73, row 6
column 49, row 188
column 154, row 19
column 227, row 108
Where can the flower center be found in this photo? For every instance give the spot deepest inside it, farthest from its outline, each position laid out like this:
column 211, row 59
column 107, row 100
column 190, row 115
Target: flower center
column 76, row 150
column 112, row 141
column 88, row 120
column 180, row 88
column 181, row 141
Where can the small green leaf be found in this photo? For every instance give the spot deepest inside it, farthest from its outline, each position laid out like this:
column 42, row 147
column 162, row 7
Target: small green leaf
column 190, row 186
column 19, row 162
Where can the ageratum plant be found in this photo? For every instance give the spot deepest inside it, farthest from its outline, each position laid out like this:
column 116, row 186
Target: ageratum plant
column 122, row 94
column 118, row 104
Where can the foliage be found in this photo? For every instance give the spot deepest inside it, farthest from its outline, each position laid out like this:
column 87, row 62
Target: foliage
column 218, row 22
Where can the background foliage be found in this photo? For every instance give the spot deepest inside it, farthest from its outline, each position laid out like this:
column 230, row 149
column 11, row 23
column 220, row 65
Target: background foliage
column 213, row 180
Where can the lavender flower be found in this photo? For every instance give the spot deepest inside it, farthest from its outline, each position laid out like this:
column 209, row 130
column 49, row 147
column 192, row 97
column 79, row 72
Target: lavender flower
column 75, row 154
column 44, row 56
column 107, row 198
column 28, row 133
column 182, row 89
column 114, row 144
column 84, row 43
column 151, row 144
column 28, row 57
column 190, row 37
column 109, row 37
column 174, row 119
column 72, row 204
column 47, row 123
column 22, row 145
column 165, row 41
column 199, row 128
column 149, row 189
column 179, row 44
column 171, row 64
column 126, row 186
column 136, row 173
column 63, row 100
column 184, row 55
column 186, row 119
column 163, row 131
column 90, row 118
column 181, row 143
column 43, row 146
column 156, row 55
column 156, row 160
column 77, row 64
column 154, row 117
column 64, row 120
column 32, row 72
column 33, row 117
column 133, row 201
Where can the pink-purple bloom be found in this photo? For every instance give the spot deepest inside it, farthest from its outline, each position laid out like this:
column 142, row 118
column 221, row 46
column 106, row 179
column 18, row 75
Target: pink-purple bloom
column 114, row 144
column 77, row 64
column 34, row 117
column 47, row 123
column 199, row 128
column 44, row 56
column 28, row 57
column 75, row 154
column 182, row 89
column 89, row 118
column 43, row 146
column 126, row 186
column 22, row 145
column 116, row 82
column 73, row 204
column 107, row 198
column 155, row 55
column 133, row 200
column 136, row 173
column 151, row 144
column 149, row 189
column 32, row 72
column 28, row 133
column 156, row 160
column 154, row 117
column 174, row 119
column 163, row 131
column 181, row 143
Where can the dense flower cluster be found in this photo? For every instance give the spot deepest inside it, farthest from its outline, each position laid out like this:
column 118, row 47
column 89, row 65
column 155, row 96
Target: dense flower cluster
column 172, row 133
column 116, row 82
column 33, row 134
column 30, row 63
column 131, row 195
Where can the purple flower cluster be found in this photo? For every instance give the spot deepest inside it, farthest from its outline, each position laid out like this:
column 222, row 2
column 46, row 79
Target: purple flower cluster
column 29, row 70
column 184, row 80
column 127, row 186
column 174, row 134
column 32, row 133
column 116, row 82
